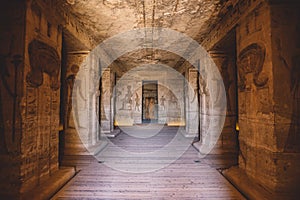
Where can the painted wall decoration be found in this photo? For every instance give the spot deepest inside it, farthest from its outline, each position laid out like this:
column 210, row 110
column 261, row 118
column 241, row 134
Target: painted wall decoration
column 43, row 59
column 129, row 96
column 250, row 64
column 127, row 99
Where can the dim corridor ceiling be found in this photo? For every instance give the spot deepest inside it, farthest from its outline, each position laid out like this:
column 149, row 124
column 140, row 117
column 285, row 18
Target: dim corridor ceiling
column 102, row 19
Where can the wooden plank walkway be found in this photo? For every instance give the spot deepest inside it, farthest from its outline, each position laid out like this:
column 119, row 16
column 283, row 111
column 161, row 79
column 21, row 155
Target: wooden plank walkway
column 186, row 178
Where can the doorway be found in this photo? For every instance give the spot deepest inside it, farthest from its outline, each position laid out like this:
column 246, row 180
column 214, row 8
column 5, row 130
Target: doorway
column 149, row 102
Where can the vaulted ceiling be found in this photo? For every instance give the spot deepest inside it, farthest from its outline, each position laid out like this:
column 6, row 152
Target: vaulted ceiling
column 102, row 19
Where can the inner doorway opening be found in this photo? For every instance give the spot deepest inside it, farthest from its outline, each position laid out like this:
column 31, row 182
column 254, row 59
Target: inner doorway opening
column 149, row 102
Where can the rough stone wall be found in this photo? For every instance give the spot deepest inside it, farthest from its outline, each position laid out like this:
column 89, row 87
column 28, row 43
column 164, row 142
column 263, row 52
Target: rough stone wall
column 285, row 31
column 29, row 96
column 255, row 82
column 12, row 70
column 267, row 38
column 41, row 101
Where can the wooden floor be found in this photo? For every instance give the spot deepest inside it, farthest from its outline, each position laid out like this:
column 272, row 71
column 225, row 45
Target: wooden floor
column 186, row 178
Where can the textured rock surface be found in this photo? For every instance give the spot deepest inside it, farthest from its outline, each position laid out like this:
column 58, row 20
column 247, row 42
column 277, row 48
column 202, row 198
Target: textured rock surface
column 263, row 74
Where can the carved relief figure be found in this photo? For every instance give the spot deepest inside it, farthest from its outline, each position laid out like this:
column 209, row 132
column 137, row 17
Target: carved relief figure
column 150, row 108
column 127, row 100
column 173, row 102
column 137, row 102
column 9, row 81
column 70, row 80
column 162, row 102
column 72, row 84
column 43, row 59
column 250, row 65
column 103, row 115
column 203, row 90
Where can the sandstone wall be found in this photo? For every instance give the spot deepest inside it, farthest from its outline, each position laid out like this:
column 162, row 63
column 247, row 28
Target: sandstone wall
column 267, row 44
column 41, row 101
column 30, row 96
column 285, row 36
column 255, row 82
column 170, row 95
column 11, row 93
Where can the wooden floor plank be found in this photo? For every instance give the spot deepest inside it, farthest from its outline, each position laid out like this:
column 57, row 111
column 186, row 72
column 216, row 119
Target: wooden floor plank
column 186, row 178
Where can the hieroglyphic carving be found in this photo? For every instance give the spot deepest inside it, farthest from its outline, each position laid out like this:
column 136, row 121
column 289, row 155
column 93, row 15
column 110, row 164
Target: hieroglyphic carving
column 9, row 81
column 250, row 61
column 43, row 59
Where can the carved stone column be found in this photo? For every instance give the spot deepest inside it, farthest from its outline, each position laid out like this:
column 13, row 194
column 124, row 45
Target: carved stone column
column 227, row 142
column 105, row 107
column 191, row 102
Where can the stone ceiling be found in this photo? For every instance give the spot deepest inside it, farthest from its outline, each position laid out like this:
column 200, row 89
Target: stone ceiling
column 102, row 19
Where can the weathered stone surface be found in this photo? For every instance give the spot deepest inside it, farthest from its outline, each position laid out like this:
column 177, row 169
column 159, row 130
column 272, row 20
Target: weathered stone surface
column 264, row 34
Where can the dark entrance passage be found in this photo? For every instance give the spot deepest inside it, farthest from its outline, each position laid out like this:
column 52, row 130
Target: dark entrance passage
column 150, row 102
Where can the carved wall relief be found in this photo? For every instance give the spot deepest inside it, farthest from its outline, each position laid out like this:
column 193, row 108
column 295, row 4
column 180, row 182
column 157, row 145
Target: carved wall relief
column 250, row 64
column 43, row 59
column 9, row 83
column 70, row 81
column 203, row 90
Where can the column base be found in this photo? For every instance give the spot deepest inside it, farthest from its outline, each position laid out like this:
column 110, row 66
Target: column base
column 252, row 190
column 52, row 185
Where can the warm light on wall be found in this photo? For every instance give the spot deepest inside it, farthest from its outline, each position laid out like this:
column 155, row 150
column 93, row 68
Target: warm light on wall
column 177, row 123
column 237, row 127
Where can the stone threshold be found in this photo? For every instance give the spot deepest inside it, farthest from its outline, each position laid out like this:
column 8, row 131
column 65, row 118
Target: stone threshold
column 51, row 186
column 113, row 133
column 239, row 179
column 99, row 146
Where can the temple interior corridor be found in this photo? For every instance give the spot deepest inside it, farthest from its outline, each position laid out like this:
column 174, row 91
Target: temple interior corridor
column 200, row 181
column 150, row 99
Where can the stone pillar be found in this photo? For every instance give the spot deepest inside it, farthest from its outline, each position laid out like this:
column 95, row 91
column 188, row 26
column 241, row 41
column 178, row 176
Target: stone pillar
column 11, row 95
column 191, row 103
column 255, row 93
column 227, row 142
column 285, row 31
column 268, row 69
column 72, row 142
column 106, row 107
column 30, row 97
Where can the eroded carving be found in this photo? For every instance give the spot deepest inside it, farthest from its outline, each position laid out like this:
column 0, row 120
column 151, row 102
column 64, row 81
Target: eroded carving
column 203, row 90
column 9, row 81
column 43, row 59
column 250, row 64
